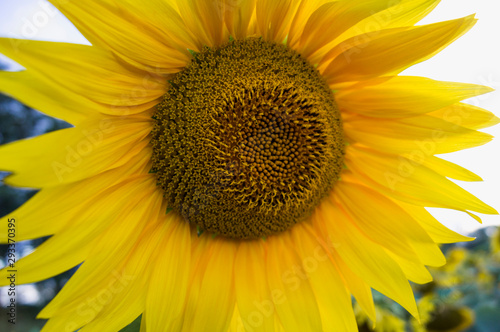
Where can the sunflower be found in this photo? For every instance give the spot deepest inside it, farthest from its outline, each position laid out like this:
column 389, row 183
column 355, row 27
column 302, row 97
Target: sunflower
column 238, row 165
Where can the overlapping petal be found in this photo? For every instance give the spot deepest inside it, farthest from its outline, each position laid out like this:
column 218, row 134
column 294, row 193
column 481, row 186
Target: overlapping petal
column 404, row 96
column 400, row 178
column 130, row 37
column 84, row 152
column 383, row 54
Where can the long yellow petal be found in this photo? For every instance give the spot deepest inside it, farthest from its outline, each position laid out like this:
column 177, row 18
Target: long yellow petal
column 334, row 301
column 254, row 298
column 358, row 287
column 293, row 291
column 168, row 285
column 304, row 11
column 131, row 302
column 450, row 170
column 205, row 19
column 274, row 18
column 85, row 152
column 392, row 53
column 356, row 284
column 368, row 259
column 164, row 15
column 407, row 135
column 45, row 96
column 70, row 246
column 238, row 17
column 403, row 96
column 414, row 271
column 352, row 44
column 401, row 179
column 114, row 290
column 333, row 18
column 215, row 267
column 468, row 116
column 402, row 14
column 387, row 224
column 42, row 215
column 86, row 70
column 437, row 231
column 133, row 39
column 88, row 279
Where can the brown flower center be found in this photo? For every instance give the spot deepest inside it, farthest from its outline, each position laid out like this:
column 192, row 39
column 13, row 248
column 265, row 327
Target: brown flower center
column 248, row 140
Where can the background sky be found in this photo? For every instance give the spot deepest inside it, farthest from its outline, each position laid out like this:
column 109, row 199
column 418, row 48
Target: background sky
column 474, row 58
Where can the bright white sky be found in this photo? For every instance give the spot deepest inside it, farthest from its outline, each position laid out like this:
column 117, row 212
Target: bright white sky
column 473, row 59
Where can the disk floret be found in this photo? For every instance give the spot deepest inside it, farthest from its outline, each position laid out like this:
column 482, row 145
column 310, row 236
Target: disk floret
column 247, row 140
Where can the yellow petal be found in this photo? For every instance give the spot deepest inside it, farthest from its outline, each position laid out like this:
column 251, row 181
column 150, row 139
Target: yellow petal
column 47, row 261
column 331, row 19
column 236, row 324
column 392, row 53
column 358, row 287
column 47, row 97
column 414, row 271
column 295, row 302
column 97, row 145
column 403, row 96
column 368, row 259
column 400, row 14
column 356, row 284
column 334, row 302
column 86, row 70
column 410, row 134
column 450, row 170
column 401, row 179
column 274, row 18
column 42, row 215
column 133, row 39
column 387, row 224
column 131, row 301
column 50, row 220
column 205, row 19
column 352, row 44
column 468, row 116
column 238, row 17
column 477, row 218
column 71, row 246
column 304, row 11
column 164, row 16
column 113, row 290
column 168, row 285
column 437, row 231
column 254, row 298
column 216, row 260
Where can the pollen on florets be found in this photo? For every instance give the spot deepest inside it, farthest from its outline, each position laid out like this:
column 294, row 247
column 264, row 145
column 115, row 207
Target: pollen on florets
column 248, row 140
